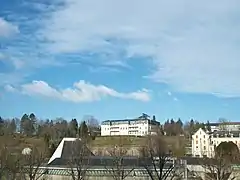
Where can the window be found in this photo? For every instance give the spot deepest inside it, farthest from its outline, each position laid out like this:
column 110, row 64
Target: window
column 204, row 136
column 196, row 141
column 196, row 136
column 204, row 142
column 196, row 146
column 204, row 148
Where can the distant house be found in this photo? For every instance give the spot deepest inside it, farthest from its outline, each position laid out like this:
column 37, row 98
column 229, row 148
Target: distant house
column 204, row 143
column 140, row 126
column 229, row 126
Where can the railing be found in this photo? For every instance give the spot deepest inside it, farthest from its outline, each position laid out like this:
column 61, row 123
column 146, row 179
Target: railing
column 141, row 172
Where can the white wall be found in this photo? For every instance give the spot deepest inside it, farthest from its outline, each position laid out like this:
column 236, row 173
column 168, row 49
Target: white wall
column 105, row 130
column 203, row 143
column 135, row 128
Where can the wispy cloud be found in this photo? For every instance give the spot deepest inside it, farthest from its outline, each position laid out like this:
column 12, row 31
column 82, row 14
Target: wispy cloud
column 1, row 56
column 170, row 94
column 175, row 99
column 9, row 88
column 19, row 43
column 194, row 45
column 7, row 29
column 80, row 92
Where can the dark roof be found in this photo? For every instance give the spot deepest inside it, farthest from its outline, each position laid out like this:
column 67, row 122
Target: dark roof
column 105, row 161
column 225, row 123
column 71, row 147
column 142, row 117
column 128, row 161
column 150, row 121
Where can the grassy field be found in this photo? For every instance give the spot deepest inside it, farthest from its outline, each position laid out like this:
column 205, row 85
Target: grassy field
column 134, row 141
column 113, row 140
column 18, row 143
column 175, row 143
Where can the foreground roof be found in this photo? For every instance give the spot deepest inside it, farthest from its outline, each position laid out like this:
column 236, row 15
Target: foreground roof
column 65, row 149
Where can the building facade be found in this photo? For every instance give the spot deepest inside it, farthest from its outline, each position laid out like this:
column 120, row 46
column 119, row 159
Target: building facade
column 140, row 126
column 221, row 126
column 203, row 143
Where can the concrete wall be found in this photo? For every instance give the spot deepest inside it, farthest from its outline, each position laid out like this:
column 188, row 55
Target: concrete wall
column 131, row 150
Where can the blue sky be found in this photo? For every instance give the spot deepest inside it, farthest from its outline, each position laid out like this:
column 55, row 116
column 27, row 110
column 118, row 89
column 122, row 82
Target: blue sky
column 117, row 59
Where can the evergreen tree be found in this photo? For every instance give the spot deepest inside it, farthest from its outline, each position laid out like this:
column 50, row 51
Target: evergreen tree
column 12, row 126
column 27, row 124
column 179, row 122
column 1, row 126
column 208, row 126
column 191, row 127
column 83, row 130
column 23, row 123
column 33, row 123
column 73, row 128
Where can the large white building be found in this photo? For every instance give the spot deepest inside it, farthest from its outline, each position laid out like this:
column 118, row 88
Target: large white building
column 203, row 143
column 140, row 126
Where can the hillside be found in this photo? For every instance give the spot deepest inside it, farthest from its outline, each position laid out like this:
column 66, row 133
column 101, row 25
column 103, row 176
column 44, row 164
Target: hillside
column 18, row 142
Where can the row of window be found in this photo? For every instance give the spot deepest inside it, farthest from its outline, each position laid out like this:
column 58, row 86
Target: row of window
column 125, row 128
column 200, row 138
column 137, row 132
column 204, row 142
column 204, row 148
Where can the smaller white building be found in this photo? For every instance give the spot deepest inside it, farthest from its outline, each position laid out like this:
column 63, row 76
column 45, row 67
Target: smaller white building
column 201, row 144
column 141, row 126
column 204, row 144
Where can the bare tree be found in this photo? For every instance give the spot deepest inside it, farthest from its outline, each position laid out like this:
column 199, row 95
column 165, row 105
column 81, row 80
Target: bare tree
column 157, row 161
column 3, row 161
column 31, row 161
column 220, row 167
column 9, row 162
column 92, row 124
column 217, row 169
column 13, row 166
column 116, row 165
column 223, row 124
column 79, row 160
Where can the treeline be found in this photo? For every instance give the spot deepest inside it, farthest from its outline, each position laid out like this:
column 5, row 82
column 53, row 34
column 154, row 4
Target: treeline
column 176, row 127
column 51, row 130
column 30, row 125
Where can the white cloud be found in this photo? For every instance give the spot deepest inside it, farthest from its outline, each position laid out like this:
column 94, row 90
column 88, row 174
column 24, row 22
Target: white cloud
column 9, row 88
column 175, row 99
column 194, row 45
column 7, row 29
column 169, row 93
column 2, row 56
column 80, row 92
column 18, row 64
